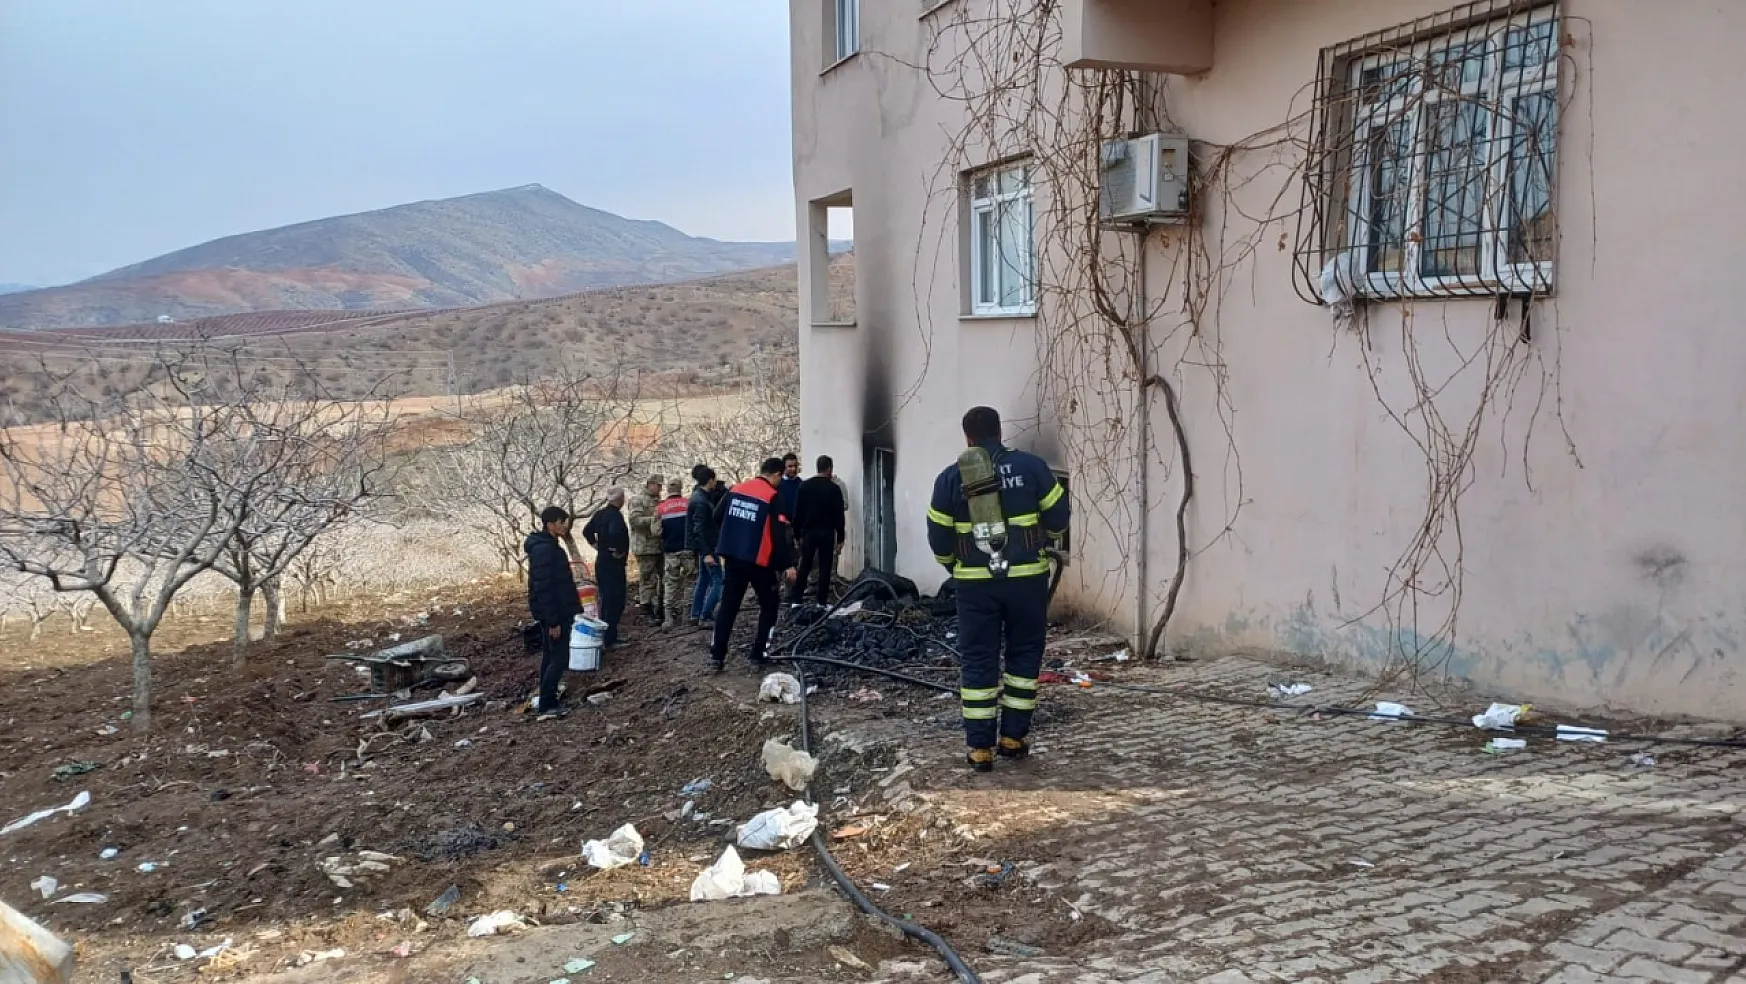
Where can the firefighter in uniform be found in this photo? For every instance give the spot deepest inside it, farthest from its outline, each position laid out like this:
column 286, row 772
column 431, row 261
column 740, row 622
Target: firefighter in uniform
column 993, row 516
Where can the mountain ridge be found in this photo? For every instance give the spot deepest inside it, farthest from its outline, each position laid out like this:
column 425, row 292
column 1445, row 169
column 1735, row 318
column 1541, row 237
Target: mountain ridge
column 521, row 243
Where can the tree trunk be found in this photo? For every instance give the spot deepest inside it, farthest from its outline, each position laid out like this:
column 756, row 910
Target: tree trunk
column 239, row 643
column 142, row 682
column 275, row 602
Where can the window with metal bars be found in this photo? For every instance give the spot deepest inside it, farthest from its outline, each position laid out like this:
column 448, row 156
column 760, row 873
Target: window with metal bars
column 1435, row 164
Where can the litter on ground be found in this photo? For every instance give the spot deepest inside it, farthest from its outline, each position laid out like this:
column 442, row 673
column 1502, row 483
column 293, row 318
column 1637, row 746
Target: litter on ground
column 780, row 829
column 79, row 802
column 1390, row 711
column 1500, row 717
column 728, row 878
column 781, row 688
column 789, row 766
column 501, row 921
column 622, row 847
column 1498, row 745
column 1570, row 732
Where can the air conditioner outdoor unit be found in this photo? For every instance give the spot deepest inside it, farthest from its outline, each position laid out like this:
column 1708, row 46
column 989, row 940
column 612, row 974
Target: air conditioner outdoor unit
column 1145, row 179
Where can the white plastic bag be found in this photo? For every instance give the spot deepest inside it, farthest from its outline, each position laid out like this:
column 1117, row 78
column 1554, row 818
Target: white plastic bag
column 789, row 766
column 623, row 847
column 79, row 803
column 780, row 829
column 727, row 879
column 1390, row 711
column 780, row 688
column 496, row 922
column 1500, row 717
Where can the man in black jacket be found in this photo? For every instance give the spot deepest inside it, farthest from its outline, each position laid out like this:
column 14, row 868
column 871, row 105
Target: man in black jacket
column 820, row 527
column 607, row 533
column 701, row 533
column 553, row 602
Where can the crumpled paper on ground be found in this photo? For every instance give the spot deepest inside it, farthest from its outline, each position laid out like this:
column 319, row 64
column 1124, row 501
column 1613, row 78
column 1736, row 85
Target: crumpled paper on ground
column 1500, row 717
column 780, row 829
column 780, row 688
column 789, row 766
column 728, row 879
column 623, row 847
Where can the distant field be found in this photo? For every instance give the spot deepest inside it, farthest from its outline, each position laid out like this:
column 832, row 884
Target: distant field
column 679, row 339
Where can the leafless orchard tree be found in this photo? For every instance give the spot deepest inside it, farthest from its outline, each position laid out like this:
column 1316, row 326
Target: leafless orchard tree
column 734, row 442
column 129, row 498
column 330, row 462
column 560, row 439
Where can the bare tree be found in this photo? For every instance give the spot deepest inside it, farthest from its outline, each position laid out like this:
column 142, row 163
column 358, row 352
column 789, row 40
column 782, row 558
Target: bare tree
column 736, row 437
column 120, row 497
column 330, row 462
column 560, row 439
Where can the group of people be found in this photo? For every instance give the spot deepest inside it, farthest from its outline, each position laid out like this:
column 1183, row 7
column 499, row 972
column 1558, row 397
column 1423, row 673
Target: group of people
column 696, row 555
column 995, row 522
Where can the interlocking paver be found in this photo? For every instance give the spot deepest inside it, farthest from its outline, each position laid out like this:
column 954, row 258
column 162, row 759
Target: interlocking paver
column 1231, row 844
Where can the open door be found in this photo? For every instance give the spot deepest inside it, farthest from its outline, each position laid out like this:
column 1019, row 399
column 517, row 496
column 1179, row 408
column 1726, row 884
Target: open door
column 880, row 515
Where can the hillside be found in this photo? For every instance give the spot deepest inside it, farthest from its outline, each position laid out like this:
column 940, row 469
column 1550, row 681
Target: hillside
column 695, row 335
column 517, row 244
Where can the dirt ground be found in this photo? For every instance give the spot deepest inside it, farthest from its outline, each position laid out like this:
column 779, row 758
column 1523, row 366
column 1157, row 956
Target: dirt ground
column 221, row 818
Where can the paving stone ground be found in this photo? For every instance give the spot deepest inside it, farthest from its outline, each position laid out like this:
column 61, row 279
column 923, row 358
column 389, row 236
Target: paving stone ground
column 1234, row 845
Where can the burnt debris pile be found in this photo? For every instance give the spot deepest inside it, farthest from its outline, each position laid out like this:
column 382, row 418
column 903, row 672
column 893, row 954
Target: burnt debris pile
column 881, row 621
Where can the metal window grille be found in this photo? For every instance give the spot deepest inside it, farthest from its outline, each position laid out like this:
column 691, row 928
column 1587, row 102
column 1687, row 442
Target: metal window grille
column 1433, row 166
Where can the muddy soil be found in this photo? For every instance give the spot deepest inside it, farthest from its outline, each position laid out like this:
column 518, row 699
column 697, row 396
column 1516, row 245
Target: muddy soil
column 222, row 818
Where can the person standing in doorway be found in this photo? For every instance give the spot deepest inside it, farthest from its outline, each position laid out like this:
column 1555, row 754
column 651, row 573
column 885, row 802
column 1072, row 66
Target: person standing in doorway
column 788, row 491
column 820, row 526
column 755, row 552
column 645, row 542
column 607, row 533
column 553, row 602
column 992, row 517
column 681, row 570
column 701, row 534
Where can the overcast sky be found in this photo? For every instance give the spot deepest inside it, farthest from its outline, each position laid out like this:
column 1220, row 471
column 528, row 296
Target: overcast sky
column 129, row 128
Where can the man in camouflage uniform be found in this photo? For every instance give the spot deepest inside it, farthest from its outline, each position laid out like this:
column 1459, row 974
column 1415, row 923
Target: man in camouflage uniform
column 681, row 572
column 645, row 537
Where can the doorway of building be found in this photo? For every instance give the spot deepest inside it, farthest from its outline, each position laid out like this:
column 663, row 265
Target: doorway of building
column 881, row 512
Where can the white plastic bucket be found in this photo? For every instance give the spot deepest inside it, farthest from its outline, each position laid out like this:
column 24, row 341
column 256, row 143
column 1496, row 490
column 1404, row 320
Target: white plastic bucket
column 587, row 639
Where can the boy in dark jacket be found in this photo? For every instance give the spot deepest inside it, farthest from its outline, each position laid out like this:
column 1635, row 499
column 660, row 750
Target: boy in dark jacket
column 700, row 536
column 756, row 549
column 553, row 602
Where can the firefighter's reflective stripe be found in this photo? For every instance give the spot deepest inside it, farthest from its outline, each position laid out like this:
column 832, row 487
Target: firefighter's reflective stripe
column 942, row 519
column 945, row 559
column 979, row 703
column 1023, row 519
column 1053, row 497
column 1020, row 693
column 965, row 573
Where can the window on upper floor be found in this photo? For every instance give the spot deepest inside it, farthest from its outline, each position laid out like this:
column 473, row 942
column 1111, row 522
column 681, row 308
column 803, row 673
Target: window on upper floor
column 845, row 17
column 1002, row 245
column 1438, row 157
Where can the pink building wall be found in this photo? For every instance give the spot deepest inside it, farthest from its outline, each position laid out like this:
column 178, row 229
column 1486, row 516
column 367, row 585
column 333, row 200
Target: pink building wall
column 1613, row 582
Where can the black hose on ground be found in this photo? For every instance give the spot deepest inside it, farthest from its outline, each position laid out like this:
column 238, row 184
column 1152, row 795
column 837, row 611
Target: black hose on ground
column 912, row 930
